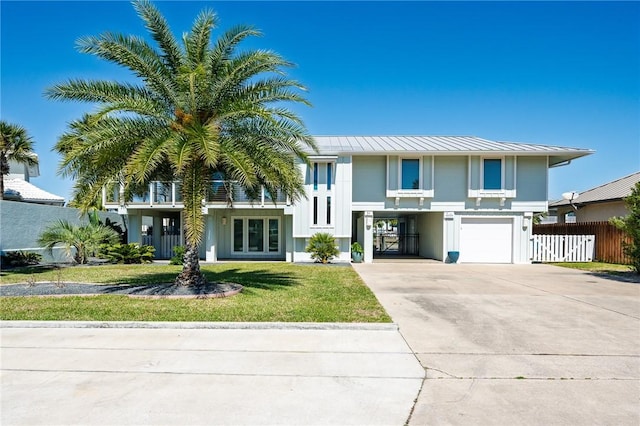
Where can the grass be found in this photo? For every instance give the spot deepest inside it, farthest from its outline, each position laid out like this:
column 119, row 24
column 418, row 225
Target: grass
column 272, row 292
column 608, row 268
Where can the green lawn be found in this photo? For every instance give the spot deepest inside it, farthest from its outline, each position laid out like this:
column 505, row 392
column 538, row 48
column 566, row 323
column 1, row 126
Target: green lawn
column 610, row 268
column 613, row 270
column 272, row 292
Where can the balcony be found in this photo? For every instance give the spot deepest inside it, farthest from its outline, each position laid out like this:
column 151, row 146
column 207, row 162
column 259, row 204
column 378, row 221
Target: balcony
column 220, row 193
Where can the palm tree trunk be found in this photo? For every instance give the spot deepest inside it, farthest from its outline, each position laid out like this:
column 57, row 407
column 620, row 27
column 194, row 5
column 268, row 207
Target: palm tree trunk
column 191, row 275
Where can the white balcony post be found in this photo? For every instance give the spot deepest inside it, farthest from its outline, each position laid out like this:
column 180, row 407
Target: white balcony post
column 151, row 194
column 173, row 194
column 262, row 195
column 104, row 195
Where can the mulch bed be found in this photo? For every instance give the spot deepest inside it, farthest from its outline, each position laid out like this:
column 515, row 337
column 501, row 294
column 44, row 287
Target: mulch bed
column 161, row 290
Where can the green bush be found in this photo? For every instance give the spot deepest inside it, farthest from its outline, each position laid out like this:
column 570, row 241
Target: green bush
column 20, row 258
column 126, row 253
column 630, row 224
column 178, row 255
column 357, row 248
column 322, row 247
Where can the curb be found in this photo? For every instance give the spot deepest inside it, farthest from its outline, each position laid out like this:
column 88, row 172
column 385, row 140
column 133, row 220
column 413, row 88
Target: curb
column 203, row 325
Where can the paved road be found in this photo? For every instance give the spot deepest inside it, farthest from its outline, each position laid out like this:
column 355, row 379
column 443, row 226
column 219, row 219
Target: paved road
column 183, row 374
column 516, row 344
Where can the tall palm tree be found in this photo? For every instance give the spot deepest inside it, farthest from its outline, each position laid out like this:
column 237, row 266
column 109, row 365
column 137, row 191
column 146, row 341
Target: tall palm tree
column 199, row 108
column 15, row 145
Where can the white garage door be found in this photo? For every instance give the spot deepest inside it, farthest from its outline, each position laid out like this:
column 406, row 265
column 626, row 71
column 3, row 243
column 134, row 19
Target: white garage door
column 486, row 240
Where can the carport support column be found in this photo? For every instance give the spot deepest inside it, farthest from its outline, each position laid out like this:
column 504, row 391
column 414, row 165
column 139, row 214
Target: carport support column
column 368, row 237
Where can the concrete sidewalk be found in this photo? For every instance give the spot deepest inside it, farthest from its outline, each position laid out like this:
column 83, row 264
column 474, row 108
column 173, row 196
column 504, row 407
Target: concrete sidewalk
column 208, row 373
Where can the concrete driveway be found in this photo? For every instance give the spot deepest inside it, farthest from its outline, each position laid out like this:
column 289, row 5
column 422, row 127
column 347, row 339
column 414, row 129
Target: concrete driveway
column 516, row 344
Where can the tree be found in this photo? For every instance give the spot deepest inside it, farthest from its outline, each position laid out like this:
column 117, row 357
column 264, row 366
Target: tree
column 15, row 145
column 199, row 109
column 86, row 239
column 630, row 224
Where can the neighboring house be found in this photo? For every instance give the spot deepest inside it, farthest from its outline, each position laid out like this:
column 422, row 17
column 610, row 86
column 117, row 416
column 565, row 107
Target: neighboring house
column 449, row 193
column 598, row 204
column 28, row 210
column 18, row 187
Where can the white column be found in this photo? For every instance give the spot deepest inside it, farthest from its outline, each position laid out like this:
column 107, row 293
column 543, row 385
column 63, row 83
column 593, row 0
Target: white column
column 287, row 234
column 211, row 234
column 368, row 237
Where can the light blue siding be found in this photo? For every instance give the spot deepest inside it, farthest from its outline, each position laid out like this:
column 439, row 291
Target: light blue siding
column 532, row 179
column 369, row 178
column 450, row 178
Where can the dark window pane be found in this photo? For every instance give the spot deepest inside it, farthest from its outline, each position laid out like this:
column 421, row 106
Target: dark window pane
column 237, row 234
column 315, row 210
column 410, row 174
column 256, row 235
column 315, row 176
column 328, row 210
column 274, row 235
column 329, row 177
column 493, row 174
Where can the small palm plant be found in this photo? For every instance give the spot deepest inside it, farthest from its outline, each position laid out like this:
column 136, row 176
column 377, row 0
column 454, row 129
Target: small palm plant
column 322, row 247
column 86, row 239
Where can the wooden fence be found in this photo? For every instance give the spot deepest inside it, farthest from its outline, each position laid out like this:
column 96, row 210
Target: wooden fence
column 608, row 238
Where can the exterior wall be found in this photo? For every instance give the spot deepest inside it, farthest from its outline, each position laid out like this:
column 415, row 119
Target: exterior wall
column 22, row 224
column 341, row 193
column 595, row 212
column 431, row 230
column 369, row 178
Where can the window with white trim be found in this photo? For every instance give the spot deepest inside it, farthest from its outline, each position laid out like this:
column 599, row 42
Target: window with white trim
column 410, row 173
column 492, row 174
column 256, row 235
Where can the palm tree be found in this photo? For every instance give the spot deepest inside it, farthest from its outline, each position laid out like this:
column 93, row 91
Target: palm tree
column 199, row 109
column 86, row 239
column 15, row 145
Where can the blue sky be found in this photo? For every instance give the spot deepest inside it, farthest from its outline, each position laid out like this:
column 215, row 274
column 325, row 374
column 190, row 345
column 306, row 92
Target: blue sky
column 554, row 73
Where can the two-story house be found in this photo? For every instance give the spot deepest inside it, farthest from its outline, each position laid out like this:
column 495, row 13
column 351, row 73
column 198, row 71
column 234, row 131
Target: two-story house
column 446, row 193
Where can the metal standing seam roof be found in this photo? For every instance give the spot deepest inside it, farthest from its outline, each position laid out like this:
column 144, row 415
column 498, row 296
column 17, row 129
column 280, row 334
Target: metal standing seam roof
column 614, row 190
column 30, row 192
column 362, row 145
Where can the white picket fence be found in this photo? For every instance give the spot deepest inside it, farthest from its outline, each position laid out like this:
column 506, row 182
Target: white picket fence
column 167, row 243
column 562, row 248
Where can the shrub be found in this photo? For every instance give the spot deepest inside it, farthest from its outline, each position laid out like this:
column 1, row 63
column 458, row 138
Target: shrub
column 20, row 258
column 178, row 255
column 630, row 224
column 127, row 253
column 322, row 247
column 357, row 248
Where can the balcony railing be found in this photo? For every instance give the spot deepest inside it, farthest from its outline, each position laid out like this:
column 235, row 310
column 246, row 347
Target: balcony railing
column 169, row 194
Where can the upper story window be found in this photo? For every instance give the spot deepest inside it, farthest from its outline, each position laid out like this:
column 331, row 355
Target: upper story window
column 316, row 173
column 492, row 173
column 322, row 177
column 410, row 173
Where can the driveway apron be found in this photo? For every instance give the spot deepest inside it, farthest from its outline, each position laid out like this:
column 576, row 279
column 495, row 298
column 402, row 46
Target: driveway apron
column 516, row 344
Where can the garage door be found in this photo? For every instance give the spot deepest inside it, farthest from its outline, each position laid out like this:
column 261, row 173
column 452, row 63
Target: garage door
column 486, row 240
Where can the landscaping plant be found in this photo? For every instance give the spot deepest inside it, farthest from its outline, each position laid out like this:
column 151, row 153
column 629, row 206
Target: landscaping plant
column 126, row 253
column 630, row 224
column 85, row 239
column 20, row 258
column 322, row 247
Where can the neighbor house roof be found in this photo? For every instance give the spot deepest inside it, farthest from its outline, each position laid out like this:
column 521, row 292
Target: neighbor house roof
column 615, row 190
column 31, row 193
column 456, row 145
